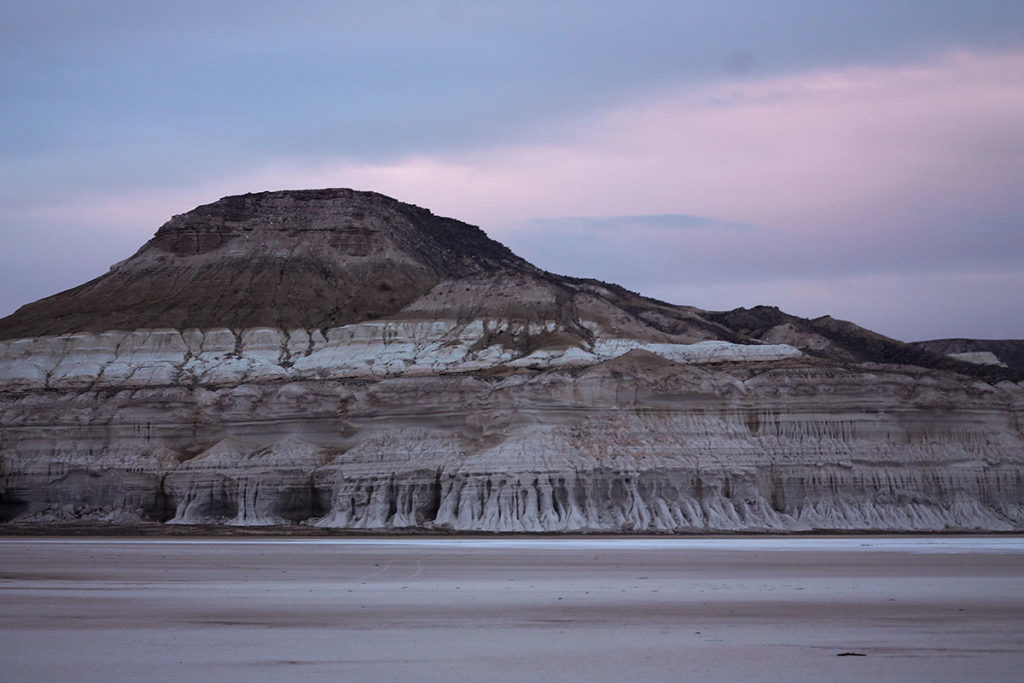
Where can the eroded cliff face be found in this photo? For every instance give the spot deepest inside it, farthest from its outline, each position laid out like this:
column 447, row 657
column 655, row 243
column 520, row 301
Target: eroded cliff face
column 488, row 396
column 634, row 443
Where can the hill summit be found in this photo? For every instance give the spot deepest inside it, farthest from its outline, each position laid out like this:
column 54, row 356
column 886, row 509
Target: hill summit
column 310, row 259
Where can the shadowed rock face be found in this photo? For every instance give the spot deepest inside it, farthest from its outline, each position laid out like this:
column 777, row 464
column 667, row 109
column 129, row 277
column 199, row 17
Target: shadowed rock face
column 1008, row 352
column 306, row 259
column 339, row 358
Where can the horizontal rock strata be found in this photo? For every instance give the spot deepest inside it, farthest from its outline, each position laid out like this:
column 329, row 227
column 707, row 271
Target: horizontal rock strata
column 339, row 359
column 636, row 443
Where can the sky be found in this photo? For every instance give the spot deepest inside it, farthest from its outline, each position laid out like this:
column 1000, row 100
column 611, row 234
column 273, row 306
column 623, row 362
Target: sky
column 863, row 160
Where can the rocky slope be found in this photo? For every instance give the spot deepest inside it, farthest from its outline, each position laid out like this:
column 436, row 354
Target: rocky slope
column 342, row 359
column 1008, row 353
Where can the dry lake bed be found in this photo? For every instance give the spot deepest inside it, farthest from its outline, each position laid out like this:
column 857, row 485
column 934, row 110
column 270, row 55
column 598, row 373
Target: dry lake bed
column 501, row 609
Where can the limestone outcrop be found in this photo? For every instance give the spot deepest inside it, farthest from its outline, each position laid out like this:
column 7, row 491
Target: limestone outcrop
column 340, row 359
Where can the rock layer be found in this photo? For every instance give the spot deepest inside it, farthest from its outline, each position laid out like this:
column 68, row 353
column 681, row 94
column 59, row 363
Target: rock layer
column 474, row 392
column 1005, row 352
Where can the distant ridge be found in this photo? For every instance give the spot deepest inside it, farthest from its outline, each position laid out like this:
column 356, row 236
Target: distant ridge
column 1009, row 351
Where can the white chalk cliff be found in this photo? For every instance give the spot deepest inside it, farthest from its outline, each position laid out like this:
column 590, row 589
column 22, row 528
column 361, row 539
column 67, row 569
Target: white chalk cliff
column 341, row 359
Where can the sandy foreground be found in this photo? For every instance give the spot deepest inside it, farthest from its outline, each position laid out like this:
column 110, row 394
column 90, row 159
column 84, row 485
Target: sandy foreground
column 499, row 609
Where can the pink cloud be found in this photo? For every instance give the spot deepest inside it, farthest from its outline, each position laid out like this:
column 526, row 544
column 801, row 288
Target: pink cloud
column 858, row 146
column 793, row 152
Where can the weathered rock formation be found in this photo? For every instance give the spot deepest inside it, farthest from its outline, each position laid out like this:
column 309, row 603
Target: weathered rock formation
column 342, row 359
column 1005, row 352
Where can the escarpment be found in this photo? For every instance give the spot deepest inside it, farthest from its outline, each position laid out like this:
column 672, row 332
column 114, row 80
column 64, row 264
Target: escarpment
column 340, row 359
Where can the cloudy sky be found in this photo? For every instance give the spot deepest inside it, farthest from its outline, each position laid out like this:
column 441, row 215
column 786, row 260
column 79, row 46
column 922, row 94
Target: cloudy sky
column 859, row 159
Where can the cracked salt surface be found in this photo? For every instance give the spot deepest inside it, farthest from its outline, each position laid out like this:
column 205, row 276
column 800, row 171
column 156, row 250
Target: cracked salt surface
column 574, row 609
column 940, row 545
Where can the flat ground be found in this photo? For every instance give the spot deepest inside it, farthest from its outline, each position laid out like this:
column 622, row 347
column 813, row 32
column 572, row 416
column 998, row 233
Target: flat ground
column 736, row 609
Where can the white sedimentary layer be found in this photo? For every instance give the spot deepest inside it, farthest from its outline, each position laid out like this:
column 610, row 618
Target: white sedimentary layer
column 978, row 358
column 374, row 349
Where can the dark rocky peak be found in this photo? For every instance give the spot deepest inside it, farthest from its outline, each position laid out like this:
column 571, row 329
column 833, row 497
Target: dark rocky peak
column 752, row 321
column 289, row 259
column 342, row 223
